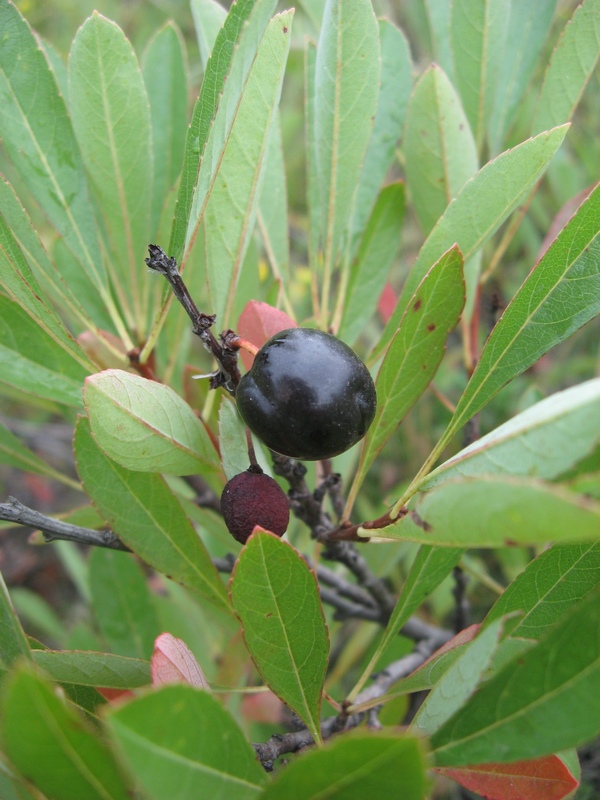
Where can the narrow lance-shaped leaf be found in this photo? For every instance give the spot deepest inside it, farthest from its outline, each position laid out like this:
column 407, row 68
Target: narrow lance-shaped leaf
column 438, row 17
column 148, row 518
column 275, row 596
column 495, row 512
column 32, row 362
column 528, row 28
column 88, row 668
column 414, row 354
column 51, row 746
column 441, row 154
column 35, row 266
column 478, row 34
column 40, row 141
column 347, row 74
column 478, row 211
column 214, row 115
column 14, row 642
column 14, row 453
column 378, row 250
column 459, row 682
column 544, row 441
column 180, row 742
column 550, row 586
column 233, row 204
column 559, row 296
column 209, row 17
column 21, row 285
column 544, row 701
column 165, row 77
column 570, row 68
column 111, row 116
column 396, row 84
column 428, row 570
column 122, row 604
column 273, row 207
column 145, row 425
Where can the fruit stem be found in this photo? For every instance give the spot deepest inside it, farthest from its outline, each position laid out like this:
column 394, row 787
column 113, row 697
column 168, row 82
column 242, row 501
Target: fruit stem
column 254, row 465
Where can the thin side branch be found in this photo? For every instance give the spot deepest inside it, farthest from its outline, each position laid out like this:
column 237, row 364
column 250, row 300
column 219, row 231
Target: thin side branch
column 15, row 511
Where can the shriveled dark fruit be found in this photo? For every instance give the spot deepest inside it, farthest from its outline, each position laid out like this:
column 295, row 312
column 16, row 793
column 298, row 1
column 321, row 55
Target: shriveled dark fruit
column 307, row 395
column 253, row 498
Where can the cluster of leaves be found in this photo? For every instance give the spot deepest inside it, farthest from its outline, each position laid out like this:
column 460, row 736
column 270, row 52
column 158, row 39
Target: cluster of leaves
column 103, row 149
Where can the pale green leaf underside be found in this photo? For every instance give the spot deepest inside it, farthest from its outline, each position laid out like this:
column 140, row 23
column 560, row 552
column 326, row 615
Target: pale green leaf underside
column 145, row 426
column 544, row 441
column 570, row 68
column 496, row 512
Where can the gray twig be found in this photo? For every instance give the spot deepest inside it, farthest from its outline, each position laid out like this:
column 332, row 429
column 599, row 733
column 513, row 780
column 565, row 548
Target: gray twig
column 15, row 511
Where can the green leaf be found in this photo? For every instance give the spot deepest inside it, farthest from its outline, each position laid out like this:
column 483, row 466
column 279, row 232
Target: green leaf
column 87, row 668
column 165, row 76
column 24, row 262
column 377, row 252
column 148, row 518
column 49, row 744
column 19, row 282
column 12, row 636
column 122, row 604
column 31, row 361
column 36, row 133
column 145, row 426
column 230, row 212
column 438, row 17
column 14, row 453
column 528, row 29
column 209, row 17
column 495, row 512
column 180, row 742
column 111, row 117
column 347, row 75
column 273, row 208
column 478, row 211
column 550, row 586
column 459, row 681
column 478, row 36
column 234, row 445
column 355, row 766
column 430, row 567
column 214, row 115
column 544, row 441
column 414, row 354
column 312, row 178
column 276, row 597
column 394, row 91
column 559, row 296
column 441, row 154
column 546, row 700
column 570, row 68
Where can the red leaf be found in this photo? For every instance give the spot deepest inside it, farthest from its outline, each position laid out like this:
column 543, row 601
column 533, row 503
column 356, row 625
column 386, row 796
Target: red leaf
column 173, row 662
column 114, row 695
column 258, row 322
column 387, row 302
column 539, row 779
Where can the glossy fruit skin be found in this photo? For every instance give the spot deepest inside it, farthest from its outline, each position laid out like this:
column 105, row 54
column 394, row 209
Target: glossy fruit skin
column 308, row 395
column 253, row 498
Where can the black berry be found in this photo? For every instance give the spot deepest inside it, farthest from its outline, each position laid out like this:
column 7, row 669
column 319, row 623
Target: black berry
column 253, row 498
column 308, row 395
